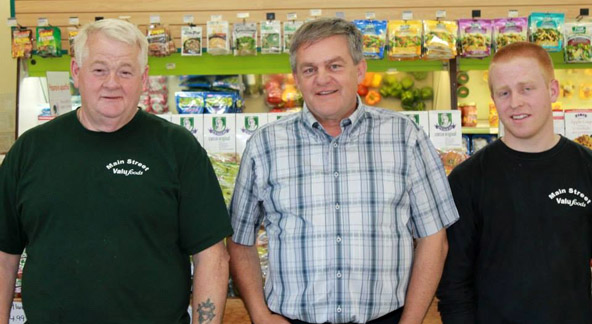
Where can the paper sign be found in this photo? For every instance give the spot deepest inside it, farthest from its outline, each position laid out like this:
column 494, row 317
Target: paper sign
column 11, row 22
column 407, row 15
column 370, row 15
column 445, row 129
column 559, row 122
column 246, row 125
column 193, row 123
column 17, row 314
column 316, row 12
column 421, row 118
column 578, row 122
column 441, row 14
column 58, row 86
column 74, row 21
column 292, row 16
column 188, row 19
column 155, row 19
column 219, row 133
column 42, row 22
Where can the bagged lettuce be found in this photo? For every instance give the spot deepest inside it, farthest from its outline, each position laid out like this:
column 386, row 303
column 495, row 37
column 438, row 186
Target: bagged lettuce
column 475, row 37
column 545, row 30
column 439, row 39
column 374, row 37
column 578, row 42
column 509, row 30
column 404, row 39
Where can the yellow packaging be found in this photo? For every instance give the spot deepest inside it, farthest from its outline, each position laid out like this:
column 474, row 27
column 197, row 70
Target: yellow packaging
column 404, row 37
column 440, row 39
column 493, row 115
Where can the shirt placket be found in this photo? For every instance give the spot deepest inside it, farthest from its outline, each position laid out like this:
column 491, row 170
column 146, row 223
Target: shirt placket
column 336, row 148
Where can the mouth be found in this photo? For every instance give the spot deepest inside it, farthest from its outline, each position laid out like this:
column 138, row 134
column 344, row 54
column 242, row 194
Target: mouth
column 326, row 92
column 519, row 117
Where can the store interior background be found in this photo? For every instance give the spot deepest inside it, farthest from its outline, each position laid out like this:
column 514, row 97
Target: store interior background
column 172, row 11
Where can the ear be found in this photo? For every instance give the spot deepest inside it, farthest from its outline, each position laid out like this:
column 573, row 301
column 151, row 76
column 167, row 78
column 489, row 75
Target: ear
column 361, row 68
column 74, row 70
column 554, row 90
column 145, row 78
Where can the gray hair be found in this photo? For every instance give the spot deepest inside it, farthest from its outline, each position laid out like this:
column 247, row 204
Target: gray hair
column 115, row 29
column 319, row 29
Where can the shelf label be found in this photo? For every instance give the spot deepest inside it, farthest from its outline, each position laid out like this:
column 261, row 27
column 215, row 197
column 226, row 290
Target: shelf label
column 316, row 12
column 242, row 15
column 188, row 19
column 370, row 15
column 216, row 17
column 407, row 15
column 17, row 314
column 441, row 14
column 512, row 13
column 154, row 19
column 340, row 14
column 42, row 21
column 11, row 22
column 292, row 16
column 74, row 21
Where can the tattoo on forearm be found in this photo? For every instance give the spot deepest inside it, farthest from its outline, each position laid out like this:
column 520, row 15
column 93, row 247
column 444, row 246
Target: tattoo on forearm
column 205, row 312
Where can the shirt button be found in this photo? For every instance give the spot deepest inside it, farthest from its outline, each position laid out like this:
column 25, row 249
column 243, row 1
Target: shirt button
column 339, row 274
column 336, row 174
column 336, row 206
column 339, row 309
column 338, row 239
column 335, row 145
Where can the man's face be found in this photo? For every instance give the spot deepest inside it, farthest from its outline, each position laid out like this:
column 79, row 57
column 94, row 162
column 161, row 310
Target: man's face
column 523, row 99
column 328, row 78
column 110, row 79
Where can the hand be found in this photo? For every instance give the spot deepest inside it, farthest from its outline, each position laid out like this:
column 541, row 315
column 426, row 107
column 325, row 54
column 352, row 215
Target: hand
column 272, row 319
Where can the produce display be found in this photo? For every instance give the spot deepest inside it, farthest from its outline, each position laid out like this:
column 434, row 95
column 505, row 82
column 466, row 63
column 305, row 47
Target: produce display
column 226, row 167
column 439, row 39
column 281, row 92
column 452, row 158
column 401, row 86
column 209, row 94
column 155, row 98
column 585, row 140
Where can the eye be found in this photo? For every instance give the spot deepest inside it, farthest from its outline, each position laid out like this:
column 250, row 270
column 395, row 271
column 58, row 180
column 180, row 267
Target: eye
column 308, row 71
column 126, row 73
column 502, row 93
column 335, row 67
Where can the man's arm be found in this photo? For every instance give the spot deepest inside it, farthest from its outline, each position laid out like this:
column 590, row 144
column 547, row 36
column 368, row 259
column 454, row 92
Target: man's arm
column 428, row 262
column 210, row 284
column 246, row 275
column 8, row 269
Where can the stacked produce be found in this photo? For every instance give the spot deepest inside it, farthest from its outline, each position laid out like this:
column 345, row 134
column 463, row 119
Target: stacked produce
column 400, row 86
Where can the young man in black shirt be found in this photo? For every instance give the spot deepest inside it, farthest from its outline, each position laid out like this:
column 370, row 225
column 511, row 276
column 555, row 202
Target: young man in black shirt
column 521, row 251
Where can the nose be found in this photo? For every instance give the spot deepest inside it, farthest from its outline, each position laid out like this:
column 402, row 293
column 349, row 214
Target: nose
column 322, row 77
column 111, row 81
column 515, row 101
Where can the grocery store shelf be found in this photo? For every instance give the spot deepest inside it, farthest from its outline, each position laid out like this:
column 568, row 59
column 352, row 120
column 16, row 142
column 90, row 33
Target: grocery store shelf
column 468, row 64
column 226, row 64
column 480, row 130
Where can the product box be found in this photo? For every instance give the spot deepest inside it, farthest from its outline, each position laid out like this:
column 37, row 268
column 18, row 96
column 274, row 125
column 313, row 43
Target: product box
column 219, row 133
column 192, row 122
column 559, row 122
column 421, row 118
column 578, row 122
column 445, row 129
column 246, row 125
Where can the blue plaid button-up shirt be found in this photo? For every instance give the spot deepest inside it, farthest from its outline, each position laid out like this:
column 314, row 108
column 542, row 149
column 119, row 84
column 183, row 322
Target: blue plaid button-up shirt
column 340, row 213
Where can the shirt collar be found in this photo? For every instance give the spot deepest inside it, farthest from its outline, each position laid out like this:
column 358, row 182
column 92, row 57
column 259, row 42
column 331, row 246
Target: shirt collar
column 310, row 120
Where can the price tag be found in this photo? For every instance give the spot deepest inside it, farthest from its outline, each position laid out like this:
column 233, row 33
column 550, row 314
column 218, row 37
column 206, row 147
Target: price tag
column 11, row 22
column 340, row 14
column 370, row 15
column 407, row 15
column 292, row 16
column 154, row 19
column 316, row 12
column 242, row 15
column 126, row 18
column 170, row 66
column 42, row 22
column 441, row 14
column 74, row 21
column 17, row 314
column 216, row 17
column 512, row 13
column 188, row 19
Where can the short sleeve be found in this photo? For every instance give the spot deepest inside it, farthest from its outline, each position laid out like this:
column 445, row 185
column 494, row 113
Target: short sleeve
column 432, row 205
column 12, row 237
column 246, row 212
column 203, row 217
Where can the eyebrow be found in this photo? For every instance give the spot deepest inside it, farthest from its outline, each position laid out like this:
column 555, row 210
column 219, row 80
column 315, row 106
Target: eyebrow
column 329, row 61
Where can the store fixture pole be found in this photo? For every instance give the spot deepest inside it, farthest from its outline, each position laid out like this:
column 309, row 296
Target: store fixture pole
column 452, row 68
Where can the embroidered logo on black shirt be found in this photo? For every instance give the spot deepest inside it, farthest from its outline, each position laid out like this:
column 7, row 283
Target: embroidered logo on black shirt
column 129, row 167
column 570, row 197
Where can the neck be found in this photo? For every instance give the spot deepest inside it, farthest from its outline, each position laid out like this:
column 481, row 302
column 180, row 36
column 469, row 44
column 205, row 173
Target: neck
column 533, row 145
column 101, row 124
